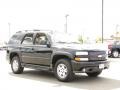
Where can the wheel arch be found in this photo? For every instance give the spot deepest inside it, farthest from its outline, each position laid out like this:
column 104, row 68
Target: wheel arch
column 115, row 49
column 118, row 49
column 12, row 54
column 58, row 57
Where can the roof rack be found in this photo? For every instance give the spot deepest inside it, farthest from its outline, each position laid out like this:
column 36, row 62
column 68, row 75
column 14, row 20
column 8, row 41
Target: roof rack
column 35, row 30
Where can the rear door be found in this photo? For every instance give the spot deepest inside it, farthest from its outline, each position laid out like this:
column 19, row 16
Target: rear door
column 27, row 48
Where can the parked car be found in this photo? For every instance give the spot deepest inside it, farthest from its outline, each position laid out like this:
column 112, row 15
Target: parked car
column 58, row 53
column 3, row 46
column 114, row 49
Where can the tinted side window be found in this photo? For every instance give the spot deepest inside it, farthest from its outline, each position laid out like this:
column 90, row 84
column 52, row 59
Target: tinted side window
column 117, row 43
column 28, row 39
column 16, row 39
column 41, row 39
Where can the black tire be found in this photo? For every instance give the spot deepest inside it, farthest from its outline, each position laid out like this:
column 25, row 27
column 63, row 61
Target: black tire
column 115, row 53
column 94, row 74
column 68, row 67
column 19, row 68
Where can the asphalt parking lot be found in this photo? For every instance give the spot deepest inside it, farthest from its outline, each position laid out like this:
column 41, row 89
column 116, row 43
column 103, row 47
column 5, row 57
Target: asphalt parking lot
column 40, row 80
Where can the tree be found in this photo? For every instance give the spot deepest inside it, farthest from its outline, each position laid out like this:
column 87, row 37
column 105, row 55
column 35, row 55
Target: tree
column 98, row 40
column 80, row 39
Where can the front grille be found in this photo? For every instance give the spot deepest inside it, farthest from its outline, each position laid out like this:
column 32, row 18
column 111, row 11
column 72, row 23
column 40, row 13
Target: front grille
column 97, row 55
column 97, row 52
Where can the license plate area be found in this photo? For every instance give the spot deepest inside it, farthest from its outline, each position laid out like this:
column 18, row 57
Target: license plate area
column 101, row 66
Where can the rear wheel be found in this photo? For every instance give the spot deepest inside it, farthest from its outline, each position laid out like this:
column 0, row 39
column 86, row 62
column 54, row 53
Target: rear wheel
column 94, row 74
column 63, row 70
column 16, row 65
column 115, row 53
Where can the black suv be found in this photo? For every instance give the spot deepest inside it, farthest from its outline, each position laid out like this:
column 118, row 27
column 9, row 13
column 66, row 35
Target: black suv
column 114, row 49
column 59, row 53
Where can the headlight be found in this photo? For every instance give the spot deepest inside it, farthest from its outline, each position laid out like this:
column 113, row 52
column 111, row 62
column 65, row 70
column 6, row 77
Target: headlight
column 81, row 53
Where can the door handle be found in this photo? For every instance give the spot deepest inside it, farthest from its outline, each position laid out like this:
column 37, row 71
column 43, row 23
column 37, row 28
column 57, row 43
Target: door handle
column 33, row 49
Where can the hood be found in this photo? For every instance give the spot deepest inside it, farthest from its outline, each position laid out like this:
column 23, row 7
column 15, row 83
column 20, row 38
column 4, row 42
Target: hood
column 82, row 46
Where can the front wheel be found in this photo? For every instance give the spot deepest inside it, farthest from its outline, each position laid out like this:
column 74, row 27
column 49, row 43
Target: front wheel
column 63, row 70
column 94, row 74
column 115, row 54
column 16, row 65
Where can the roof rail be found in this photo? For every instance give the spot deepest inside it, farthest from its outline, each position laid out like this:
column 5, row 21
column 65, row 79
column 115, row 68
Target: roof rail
column 34, row 30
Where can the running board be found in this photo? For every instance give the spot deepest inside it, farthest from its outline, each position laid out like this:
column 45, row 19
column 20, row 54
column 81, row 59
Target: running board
column 33, row 66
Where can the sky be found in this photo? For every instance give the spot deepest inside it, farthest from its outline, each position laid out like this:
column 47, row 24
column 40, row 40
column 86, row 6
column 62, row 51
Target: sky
column 84, row 18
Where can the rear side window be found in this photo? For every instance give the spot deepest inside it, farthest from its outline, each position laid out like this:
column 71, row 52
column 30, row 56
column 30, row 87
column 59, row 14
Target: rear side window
column 28, row 39
column 16, row 39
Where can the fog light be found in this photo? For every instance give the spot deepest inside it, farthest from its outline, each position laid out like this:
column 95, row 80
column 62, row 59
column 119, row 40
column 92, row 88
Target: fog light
column 77, row 59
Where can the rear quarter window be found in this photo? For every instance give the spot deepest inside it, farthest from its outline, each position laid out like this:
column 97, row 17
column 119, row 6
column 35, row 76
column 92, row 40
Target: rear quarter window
column 16, row 39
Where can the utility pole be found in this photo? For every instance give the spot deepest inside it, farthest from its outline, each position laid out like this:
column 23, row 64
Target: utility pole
column 102, row 21
column 117, row 32
column 66, row 16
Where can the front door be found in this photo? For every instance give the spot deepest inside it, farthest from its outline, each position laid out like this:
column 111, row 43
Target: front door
column 35, row 50
column 42, row 53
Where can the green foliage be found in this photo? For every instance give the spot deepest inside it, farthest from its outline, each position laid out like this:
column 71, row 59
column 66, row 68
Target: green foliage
column 98, row 40
column 80, row 39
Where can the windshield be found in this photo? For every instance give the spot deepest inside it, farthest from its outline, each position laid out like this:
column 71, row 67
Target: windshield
column 64, row 38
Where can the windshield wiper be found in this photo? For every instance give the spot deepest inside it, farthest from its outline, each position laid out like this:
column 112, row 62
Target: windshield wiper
column 61, row 42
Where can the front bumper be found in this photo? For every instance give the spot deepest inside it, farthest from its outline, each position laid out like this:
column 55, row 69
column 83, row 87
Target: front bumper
column 89, row 66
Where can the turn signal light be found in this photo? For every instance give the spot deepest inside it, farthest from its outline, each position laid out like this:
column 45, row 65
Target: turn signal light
column 77, row 59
